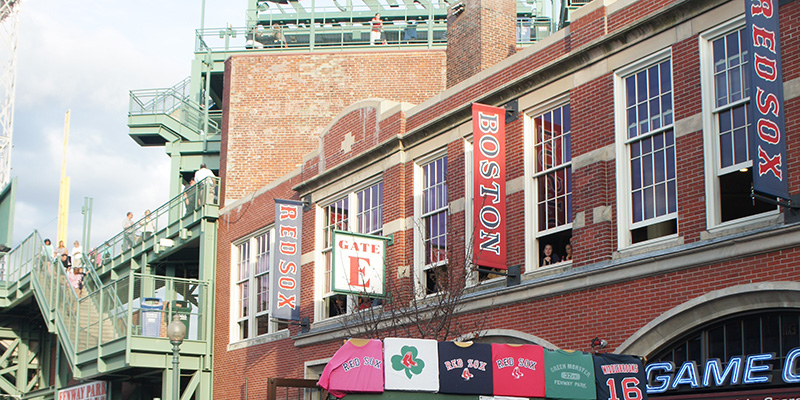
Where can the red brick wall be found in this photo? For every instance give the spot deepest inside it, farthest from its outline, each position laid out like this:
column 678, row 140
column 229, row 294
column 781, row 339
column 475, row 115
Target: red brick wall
column 277, row 104
column 589, row 27
column 635, row 11
column 592, row 122
column 613, row 312
column 479, row 37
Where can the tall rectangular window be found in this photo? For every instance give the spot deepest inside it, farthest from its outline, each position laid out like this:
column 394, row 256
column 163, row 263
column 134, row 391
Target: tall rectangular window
column 725, row 69
column 243, row 289
column 253, row 286
column 649, row 143
column 337, row 217
column 368, row 206
column 435, row 210
column 553, row 182
column 370, row 210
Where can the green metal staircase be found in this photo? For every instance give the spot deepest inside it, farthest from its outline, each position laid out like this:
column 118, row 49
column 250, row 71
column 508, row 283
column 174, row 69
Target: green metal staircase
column 107, row 331
column 160, row 116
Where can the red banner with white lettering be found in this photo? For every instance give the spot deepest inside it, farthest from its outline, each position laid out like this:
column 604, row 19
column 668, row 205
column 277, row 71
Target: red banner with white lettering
column 286, row 264
column 489, row 200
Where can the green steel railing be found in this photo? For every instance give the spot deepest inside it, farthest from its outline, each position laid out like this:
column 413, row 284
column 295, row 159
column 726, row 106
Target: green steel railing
column 322, row 35
column 113, row 311
column 174, row 102
column 101, row 313
column 406, row 23
column 190, row 202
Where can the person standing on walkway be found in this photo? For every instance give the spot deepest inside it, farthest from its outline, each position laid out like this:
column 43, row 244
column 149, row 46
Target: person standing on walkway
column 207, row 187
column 377, row 29
column 77, row 255
column 129, row 236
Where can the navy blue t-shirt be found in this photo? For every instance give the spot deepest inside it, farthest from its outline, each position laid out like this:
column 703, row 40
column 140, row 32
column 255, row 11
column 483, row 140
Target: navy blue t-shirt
column 621, row 373
column 465, row 368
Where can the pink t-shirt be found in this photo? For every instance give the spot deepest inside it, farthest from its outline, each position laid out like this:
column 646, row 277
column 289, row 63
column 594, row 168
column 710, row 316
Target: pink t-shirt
column 518, row 370
column 357, row 367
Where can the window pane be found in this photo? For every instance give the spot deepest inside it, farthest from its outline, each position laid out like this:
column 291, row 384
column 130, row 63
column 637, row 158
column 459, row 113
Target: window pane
column 649, row 201
column 630, row 93
column 435, row 223
column 554, row 187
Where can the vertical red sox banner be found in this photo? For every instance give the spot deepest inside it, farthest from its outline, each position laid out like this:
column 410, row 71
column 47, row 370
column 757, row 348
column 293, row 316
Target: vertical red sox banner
column 489, row 200
column 285, row 302
column 766, row 111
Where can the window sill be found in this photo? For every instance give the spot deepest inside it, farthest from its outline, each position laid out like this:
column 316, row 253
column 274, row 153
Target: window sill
column 258, row 340
column 344, row 319
column 743, row 225
column 648, row 246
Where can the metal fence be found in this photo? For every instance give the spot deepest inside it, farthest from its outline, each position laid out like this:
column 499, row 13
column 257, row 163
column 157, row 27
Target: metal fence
column 184, row 208
column 174, row 102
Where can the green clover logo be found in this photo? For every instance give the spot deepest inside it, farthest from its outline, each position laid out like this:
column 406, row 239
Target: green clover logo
column 407, row 360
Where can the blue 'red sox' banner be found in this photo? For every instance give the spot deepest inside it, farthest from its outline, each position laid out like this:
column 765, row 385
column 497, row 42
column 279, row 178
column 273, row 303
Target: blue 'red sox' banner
column 766, row 111
column 286, row 264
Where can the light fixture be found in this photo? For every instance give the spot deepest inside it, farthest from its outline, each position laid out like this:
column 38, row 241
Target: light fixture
column 598, row 343
column 176, row 332
column 744, row 169
column 457, row 8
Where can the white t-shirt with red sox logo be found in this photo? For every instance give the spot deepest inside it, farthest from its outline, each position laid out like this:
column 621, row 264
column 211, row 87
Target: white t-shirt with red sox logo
column 411, row 364
column 465, row 368
column 518, row 370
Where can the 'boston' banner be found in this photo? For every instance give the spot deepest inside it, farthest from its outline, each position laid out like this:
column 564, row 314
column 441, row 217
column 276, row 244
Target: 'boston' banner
column 286, row 262
column 766, row 111
column 489, row 170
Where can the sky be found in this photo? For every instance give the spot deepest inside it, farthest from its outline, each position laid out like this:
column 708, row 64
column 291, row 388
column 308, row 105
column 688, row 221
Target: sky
column 85, row 56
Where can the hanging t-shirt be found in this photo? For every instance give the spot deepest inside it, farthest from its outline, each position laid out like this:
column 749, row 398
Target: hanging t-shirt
column 569, row 375
column 465, row 368
column 518, row 370
column 411, row 364
column 357, row 367
column 621, row 374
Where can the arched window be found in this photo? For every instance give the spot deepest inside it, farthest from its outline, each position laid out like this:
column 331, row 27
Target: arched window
column 766, row 331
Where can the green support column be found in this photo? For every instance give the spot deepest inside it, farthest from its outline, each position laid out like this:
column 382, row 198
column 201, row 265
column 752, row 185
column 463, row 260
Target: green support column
column 22, row 357
column 203, row 391
column 166, row 381
column 175, row 184
column 196, row 84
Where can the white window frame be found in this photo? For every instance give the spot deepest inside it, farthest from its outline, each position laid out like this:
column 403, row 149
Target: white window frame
column 322, row 296
column 252, row 242
column 710, row 134
column 625, row 222
column 532, row 233
column 552, row 105
column 420, row 279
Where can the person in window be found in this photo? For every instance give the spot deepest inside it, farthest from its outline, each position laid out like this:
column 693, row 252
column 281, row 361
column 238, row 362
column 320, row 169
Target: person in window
column 550, row 257
column 568, row 252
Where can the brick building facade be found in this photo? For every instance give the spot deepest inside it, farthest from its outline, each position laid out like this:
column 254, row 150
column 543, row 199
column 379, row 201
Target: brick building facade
column 627, row 147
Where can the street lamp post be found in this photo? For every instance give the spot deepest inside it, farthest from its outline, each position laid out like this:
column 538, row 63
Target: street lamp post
column 176, row 332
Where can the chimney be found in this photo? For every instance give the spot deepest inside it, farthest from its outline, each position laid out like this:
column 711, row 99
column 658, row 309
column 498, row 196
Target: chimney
column 480, row 33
